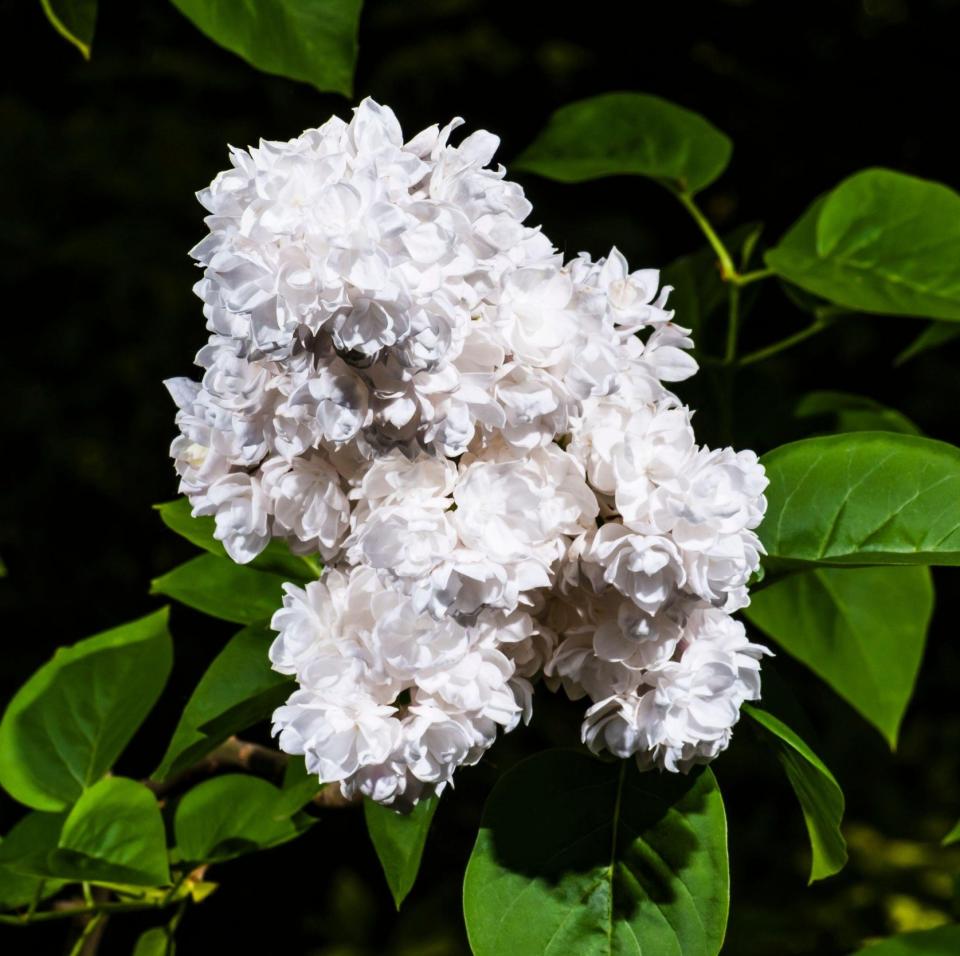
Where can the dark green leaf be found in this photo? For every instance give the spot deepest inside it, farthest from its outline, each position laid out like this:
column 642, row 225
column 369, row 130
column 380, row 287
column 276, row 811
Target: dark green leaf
column 238, row 690
column 399, row 840
column 310, row 40
column 932, row 337
column 820, row 796
column 631, row 133
column 942, row 941
column 275, row 558
column 231, row 815
column 299, row 787
column 854, row 413
column 113, row 834
column 576, row 855
column 880, row 242
column 65, row 727
column 862, row 630
column 223, row 589
column 862, row 498
column 20, row 890
column 74, row 20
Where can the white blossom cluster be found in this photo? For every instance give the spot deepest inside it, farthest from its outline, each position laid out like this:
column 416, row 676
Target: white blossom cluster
column 480, row 442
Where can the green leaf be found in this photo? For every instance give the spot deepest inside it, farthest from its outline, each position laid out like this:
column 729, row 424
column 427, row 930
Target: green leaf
column 820, row 796
column 880, row 242
column 71, row 720
column 862, row 630
column 932, row 337
column 153, row 942
column 310, row 40
column 399, row 840
column 223, row 589
column 575, row 855
column 953, row 836
column 942, row 941
column 862, row 498
column 19, row 890
column 632, row 133
column 113, row 834
column 231, row 815
column 275, row 558
column 299, row 787
column 74, row 20
column 854, row 413
column 238, row 689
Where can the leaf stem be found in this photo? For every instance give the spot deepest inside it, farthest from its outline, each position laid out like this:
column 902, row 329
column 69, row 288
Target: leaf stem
column 728, row 271
column 745, row 278
column 88, row 930
column 760, row 355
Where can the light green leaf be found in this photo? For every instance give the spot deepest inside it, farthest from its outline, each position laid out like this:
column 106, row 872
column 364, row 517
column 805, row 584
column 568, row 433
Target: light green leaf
column 628, row 133
column 820, row 796
column 880, row 242
column 231, row 815
column 862, row 630
column 932, row 337
column 310, row 40
column 942, row 941
column 154, row 942
column 854, row 413
column 275, row 558
column 238, row 690
column 114, row 833
column 223, row 589
column 71, row 720
column 399, row 840
column 576, row 855
column 862, row 498
column 74, row 20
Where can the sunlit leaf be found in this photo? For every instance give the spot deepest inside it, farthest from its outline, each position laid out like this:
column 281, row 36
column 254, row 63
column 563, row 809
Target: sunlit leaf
column 310, row 40
column 862, row 630
column 71, row 720
column 399, row 840
column 880, row 242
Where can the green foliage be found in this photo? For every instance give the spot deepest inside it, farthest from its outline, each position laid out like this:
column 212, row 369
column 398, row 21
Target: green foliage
column 19, row 889
column 576, row 855
column 67, row 725
column 932, row 337
column 953, row 836
column 238, row 689
column 862, row 630
column 153, row 942
column 275, row 558
column 942, row 941
column 232, row 815
column 310, row 40
column 854, row 413
column 74, row 20
column 399, row 840
column 862, row 498
column 220, row 588
column 820, row 796
column 879, row 242
column 113, row 834
column 634, row 133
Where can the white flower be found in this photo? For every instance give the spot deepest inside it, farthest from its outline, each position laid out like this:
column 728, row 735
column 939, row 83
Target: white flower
column 240, row 511
column 308, row 503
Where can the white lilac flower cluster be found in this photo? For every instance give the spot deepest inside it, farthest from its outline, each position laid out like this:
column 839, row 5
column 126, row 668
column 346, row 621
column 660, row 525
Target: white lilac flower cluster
column 478, row 440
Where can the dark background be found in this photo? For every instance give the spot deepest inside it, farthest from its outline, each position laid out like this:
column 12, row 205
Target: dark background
column 100, row 162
